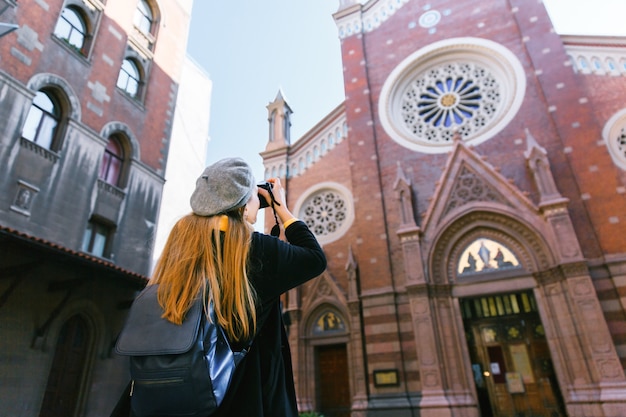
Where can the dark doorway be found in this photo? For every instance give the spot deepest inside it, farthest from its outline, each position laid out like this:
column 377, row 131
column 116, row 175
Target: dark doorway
column 510, row 358
column 333, row 384
column 64, row 380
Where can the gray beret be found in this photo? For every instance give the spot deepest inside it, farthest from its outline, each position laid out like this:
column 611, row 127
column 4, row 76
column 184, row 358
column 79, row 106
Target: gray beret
column 223, row 186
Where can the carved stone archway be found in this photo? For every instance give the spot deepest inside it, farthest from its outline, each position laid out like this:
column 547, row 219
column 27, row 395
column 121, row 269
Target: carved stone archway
column 473, row 199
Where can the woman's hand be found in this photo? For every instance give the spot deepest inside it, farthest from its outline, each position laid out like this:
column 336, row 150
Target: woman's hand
column 279, row 197
column 278, row 191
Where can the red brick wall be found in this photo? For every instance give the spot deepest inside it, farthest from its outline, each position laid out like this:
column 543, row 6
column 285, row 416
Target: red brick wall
column 150, row 120
column 564, row 111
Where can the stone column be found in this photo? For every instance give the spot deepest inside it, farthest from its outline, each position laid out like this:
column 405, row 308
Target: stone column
column 358, row 384
column 458, row 381
column 586, row 362
column 433, row 402
column 293, row 313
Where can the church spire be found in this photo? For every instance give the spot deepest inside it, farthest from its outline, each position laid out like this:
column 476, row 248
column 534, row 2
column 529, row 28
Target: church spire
column 539, row 164
column 279, row 118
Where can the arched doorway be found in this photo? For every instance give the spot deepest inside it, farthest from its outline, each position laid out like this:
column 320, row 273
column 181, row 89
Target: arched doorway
column 509, row 354
column 332, row 375
column 68, row 369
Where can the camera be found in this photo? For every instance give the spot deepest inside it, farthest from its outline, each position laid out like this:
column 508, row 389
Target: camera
column 267, row 186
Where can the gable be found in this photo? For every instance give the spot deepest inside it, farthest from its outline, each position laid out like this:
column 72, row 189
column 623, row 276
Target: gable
column 468, row 181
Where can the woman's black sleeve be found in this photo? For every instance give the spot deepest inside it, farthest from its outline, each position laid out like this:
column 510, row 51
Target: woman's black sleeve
column 282, row 266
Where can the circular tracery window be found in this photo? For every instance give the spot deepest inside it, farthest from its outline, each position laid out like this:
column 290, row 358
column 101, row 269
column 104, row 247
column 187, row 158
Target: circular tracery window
column 614, row 134
column 621, row 142
column 327, row 211
column 462, row 96
column 470, row 86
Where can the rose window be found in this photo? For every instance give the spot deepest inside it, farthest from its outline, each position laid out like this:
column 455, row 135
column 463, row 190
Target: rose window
column 621, row 142
column 614, row 135
column 463, row 97
column 324, row 213
column 470, row 87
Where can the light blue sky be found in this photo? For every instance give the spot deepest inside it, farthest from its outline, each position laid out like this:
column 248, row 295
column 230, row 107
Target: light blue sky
column 252, row 48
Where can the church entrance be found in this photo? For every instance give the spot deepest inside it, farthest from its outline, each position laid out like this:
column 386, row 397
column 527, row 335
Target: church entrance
column 510, row 357
column 67, row 370
column 332, row 381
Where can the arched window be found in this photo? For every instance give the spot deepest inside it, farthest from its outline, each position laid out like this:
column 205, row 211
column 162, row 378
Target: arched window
column 112, row 162
column 597, row 64
column 144, row 17
column 42, row 121
column 72, row 28
column 272, row 122
column 328, row 322
column 129, row 78
column 611, row 64
column 486, row 255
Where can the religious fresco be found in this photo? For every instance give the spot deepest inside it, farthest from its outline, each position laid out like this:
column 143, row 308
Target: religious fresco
column 486, row 255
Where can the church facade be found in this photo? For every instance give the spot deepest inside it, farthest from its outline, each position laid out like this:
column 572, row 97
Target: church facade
column 470, row 195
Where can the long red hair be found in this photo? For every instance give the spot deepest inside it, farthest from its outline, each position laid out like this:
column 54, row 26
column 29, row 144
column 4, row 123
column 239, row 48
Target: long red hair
column 201, row 258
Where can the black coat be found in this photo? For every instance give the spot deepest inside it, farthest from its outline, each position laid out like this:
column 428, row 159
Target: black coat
column 263, row 385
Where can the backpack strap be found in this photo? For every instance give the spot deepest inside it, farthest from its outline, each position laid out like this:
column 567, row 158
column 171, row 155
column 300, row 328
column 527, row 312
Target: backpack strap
column 221, row 335
column 221, row 359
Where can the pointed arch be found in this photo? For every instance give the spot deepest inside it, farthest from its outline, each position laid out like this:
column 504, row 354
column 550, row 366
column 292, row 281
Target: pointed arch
column 486, row 255
column 327, row 320
column 83, row 322
column 324, row 290
column 68, row 368
column 532, row 250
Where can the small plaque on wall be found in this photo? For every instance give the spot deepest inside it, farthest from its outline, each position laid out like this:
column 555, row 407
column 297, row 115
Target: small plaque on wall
column 386, row 378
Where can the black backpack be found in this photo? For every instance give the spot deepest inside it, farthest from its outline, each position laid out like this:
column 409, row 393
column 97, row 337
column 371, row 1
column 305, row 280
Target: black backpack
column 176, row 370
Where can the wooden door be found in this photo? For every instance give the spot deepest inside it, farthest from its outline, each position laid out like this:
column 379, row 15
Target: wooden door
column 333, row 385
column 510, row 360
column 64, row 380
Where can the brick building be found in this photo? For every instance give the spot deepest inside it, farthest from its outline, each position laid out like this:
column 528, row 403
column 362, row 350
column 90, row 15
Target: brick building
column 88, row 90
column 470, row 194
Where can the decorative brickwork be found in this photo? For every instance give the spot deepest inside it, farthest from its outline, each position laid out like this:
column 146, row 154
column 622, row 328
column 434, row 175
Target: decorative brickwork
column 471, row 125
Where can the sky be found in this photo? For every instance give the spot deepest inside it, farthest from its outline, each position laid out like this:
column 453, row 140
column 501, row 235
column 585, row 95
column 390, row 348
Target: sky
column 250, row 49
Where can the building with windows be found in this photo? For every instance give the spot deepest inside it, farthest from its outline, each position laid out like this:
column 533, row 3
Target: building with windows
column 88, row 90
column 470, row 195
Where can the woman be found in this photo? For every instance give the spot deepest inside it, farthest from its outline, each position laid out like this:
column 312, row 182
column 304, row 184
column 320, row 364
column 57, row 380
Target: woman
column 215, row 251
